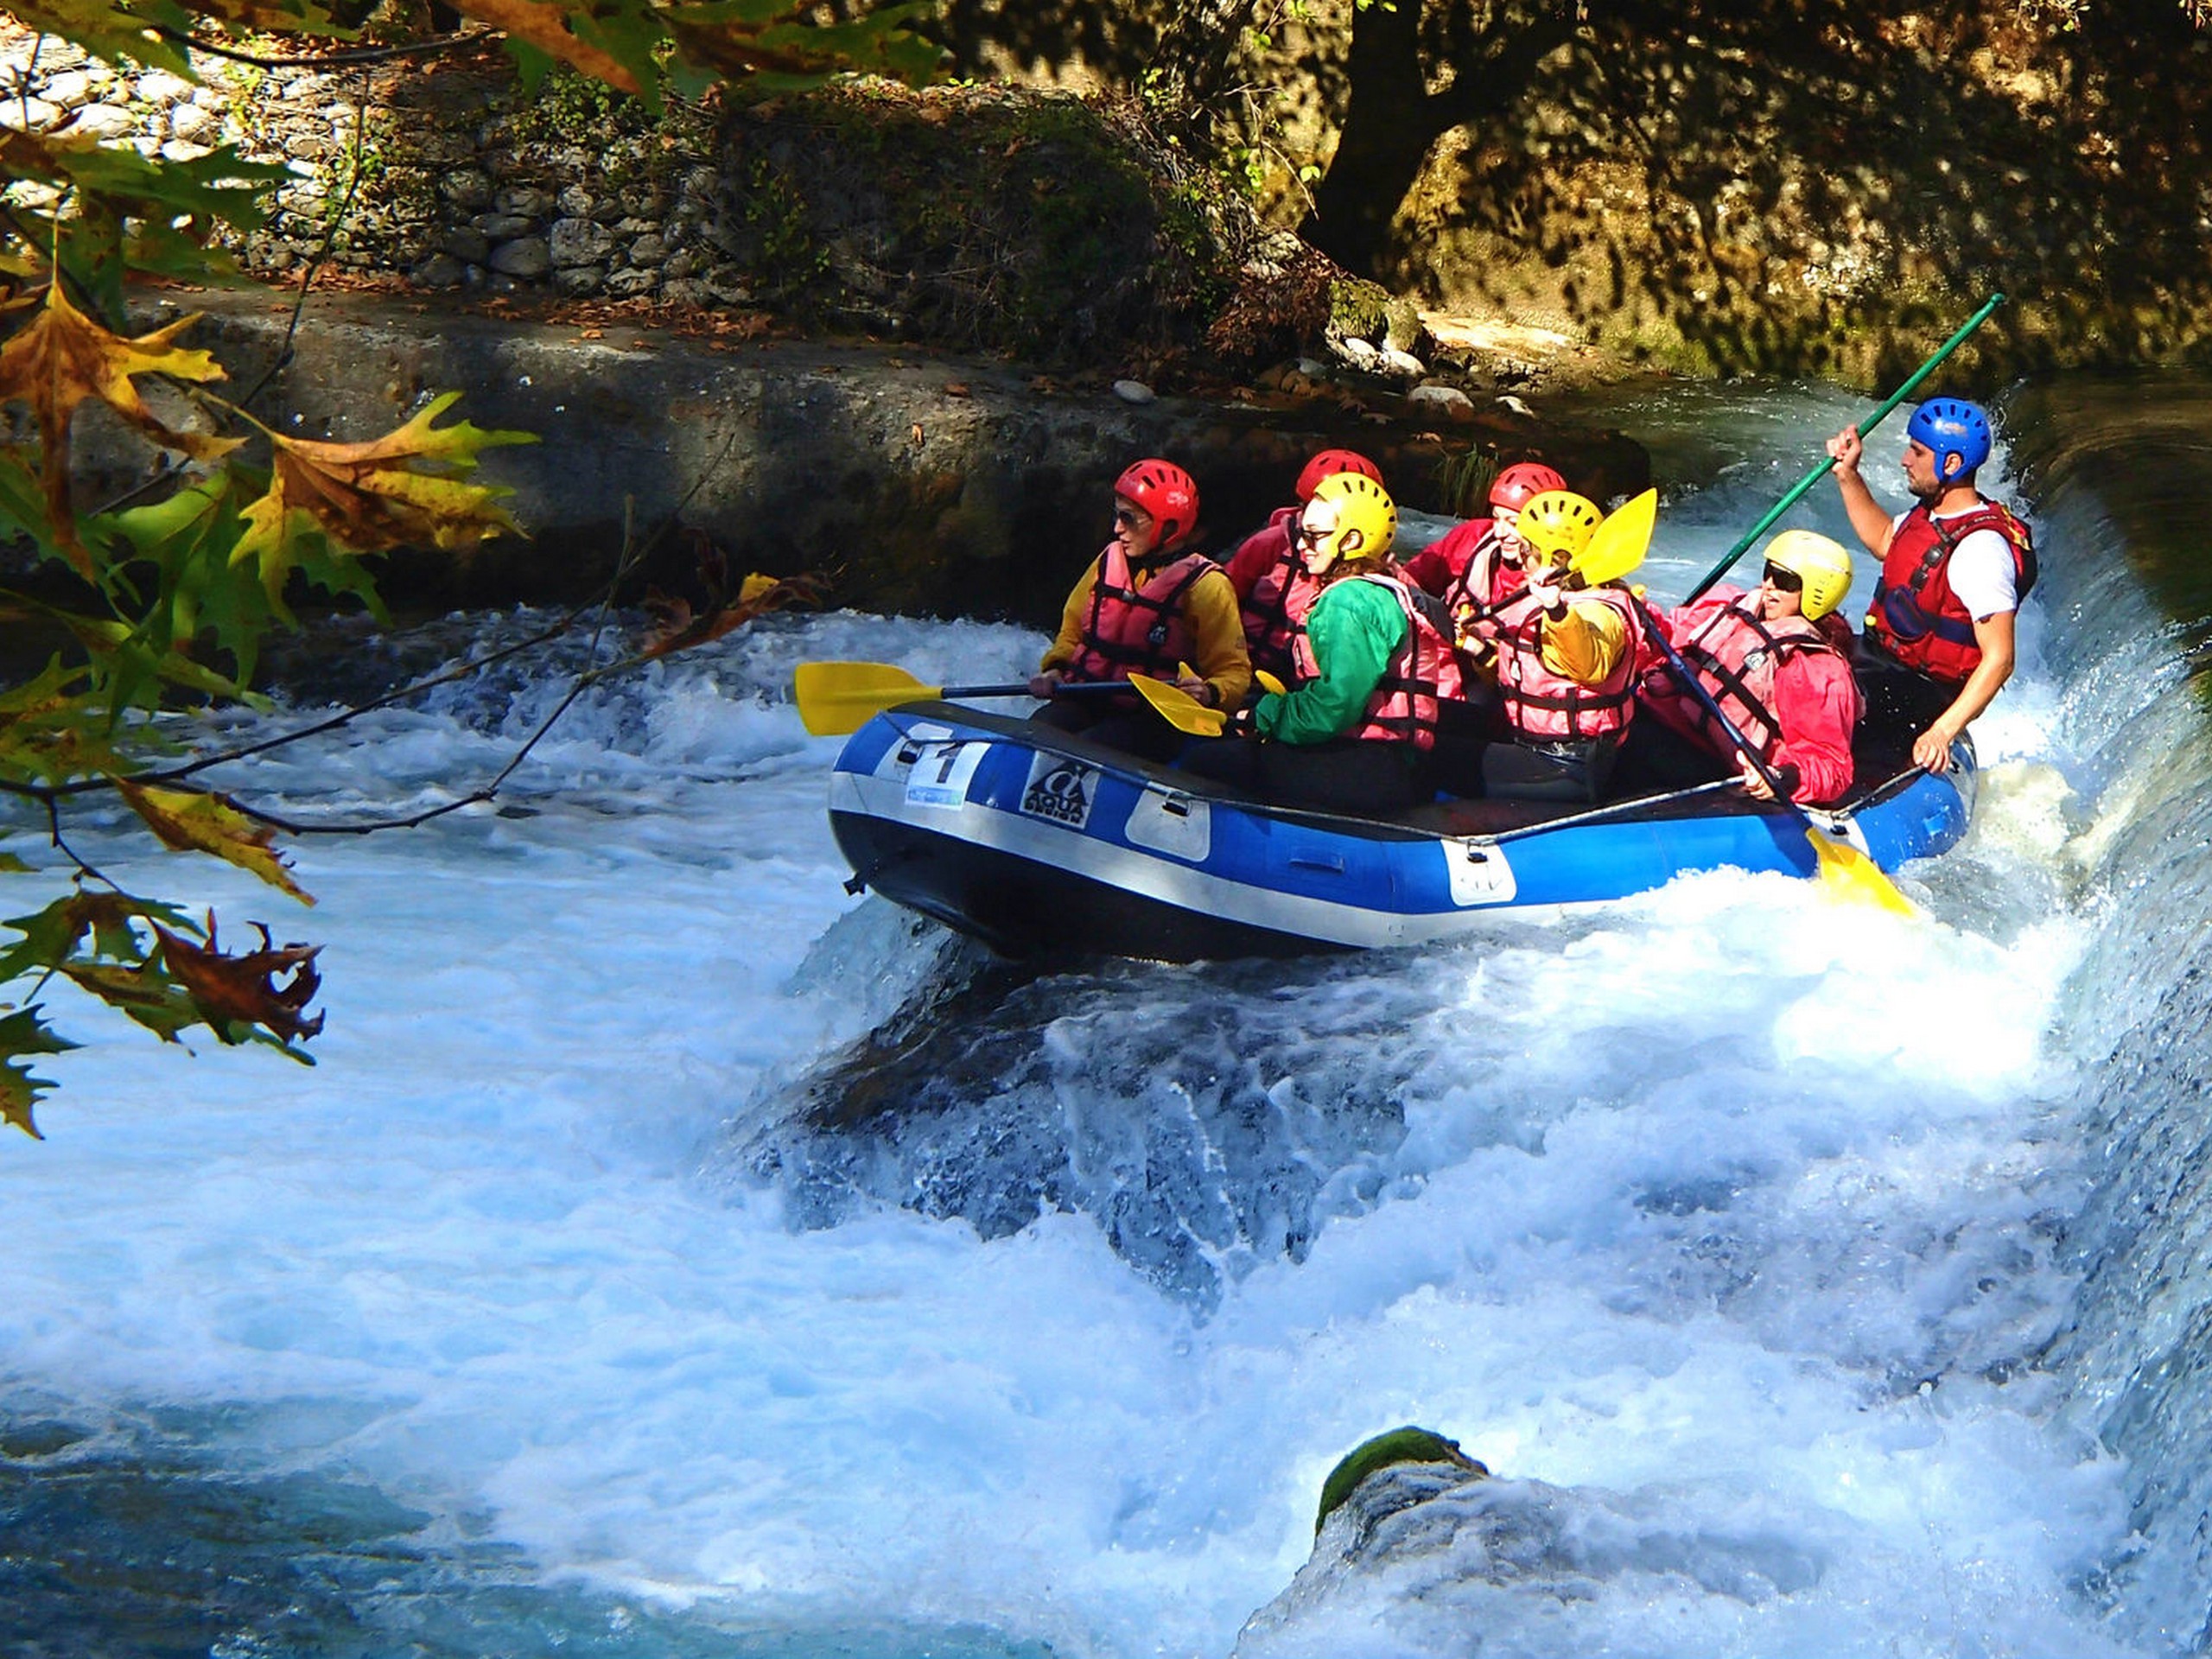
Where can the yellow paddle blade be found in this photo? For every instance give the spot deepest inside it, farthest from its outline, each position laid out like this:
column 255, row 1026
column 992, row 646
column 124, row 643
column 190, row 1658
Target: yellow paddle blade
column 1617, row 546
column 1178, row 708
column 1268, row 681
column 1849, row 874
column 838, row 698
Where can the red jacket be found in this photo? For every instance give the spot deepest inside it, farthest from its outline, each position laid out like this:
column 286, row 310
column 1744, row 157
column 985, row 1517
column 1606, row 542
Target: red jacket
column 1274, row 592
column 1786, row 685
column 1437, row 566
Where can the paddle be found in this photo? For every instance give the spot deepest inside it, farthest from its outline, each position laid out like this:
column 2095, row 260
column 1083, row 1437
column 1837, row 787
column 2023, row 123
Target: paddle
column 1864, row 427
column 1842, row 866
column 835, row 698
column 1615, row 548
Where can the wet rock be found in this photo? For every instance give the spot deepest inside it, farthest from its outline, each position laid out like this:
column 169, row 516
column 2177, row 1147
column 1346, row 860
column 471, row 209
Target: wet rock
column 629, row 285
column 574, row 201
column 685, row 290
column 178, row 151
column 579, row 282
column 1448, row 401
column 1358, row 353
column 1391, row 360
column 1133, row 391
column 502, row 227
column 649, row 249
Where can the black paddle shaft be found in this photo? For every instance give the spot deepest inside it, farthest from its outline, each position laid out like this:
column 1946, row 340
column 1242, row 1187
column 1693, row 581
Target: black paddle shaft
column 1696, row 688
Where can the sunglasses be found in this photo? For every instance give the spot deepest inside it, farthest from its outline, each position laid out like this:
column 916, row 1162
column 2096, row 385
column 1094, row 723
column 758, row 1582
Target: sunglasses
column 1784, row 581
column 1130, row 518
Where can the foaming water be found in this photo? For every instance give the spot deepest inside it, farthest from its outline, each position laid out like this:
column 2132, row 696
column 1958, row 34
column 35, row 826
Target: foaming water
column 672, row 1254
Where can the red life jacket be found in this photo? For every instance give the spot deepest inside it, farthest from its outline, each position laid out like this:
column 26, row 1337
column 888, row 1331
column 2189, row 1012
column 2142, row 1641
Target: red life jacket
column 1735, row 654
column 1485, row 580
column 1137, row 627
column 1548, row 707
column 1279, row 598
column 1422, row 671
column 1916, row 617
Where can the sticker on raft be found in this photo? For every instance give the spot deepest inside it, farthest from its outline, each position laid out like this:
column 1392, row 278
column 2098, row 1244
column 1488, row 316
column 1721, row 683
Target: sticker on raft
column 1061, row 790
column 940, row 775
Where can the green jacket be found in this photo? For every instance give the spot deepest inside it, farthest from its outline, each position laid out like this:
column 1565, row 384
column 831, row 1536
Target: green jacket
column 1355, row 628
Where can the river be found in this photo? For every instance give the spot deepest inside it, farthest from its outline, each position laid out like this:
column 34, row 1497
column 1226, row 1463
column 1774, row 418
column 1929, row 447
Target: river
column 672, row 1255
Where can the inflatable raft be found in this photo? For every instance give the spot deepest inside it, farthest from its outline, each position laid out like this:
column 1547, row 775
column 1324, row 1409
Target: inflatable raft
column 1035, row 841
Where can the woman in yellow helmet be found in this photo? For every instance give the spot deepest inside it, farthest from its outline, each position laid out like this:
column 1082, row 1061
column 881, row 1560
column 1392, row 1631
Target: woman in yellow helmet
column 1370, row 670
column 1777, row 660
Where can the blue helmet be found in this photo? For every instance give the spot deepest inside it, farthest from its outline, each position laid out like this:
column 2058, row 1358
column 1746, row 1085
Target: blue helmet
column 1954, row 429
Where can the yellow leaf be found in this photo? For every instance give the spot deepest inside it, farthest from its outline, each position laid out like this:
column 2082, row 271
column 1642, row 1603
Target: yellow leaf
column 191, row 821
column 61, row 358
column 398, row 490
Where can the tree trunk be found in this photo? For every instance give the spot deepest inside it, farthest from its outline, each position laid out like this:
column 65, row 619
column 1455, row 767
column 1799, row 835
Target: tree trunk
column 1392, row 120
column 1389, row 125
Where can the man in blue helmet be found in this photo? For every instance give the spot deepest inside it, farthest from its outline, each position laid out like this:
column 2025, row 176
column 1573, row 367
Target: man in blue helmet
column 1955, row 566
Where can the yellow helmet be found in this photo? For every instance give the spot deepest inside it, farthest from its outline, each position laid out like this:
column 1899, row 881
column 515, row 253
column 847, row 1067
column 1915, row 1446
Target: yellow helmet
column 1361, row 504
column 1823, row 566
column 1558, row 524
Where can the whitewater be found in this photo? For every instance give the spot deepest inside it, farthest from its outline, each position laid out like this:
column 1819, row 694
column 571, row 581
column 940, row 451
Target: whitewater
column 673, row 1253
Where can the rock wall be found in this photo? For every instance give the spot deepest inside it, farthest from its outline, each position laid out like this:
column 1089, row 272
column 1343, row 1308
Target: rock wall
column 447, row 175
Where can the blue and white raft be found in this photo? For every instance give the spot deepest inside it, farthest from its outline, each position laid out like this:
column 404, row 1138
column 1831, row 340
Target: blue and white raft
column 1037, row 842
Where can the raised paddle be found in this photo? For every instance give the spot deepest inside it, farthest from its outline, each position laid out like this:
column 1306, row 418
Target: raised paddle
column 1866, row 426
column 1616, row 548
column 835, row 698
column 1842, row 866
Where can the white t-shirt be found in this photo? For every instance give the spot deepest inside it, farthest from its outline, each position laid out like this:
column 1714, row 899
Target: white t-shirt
column 1981, row 570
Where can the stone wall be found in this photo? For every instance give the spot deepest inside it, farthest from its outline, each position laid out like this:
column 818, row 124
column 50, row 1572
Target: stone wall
column 457, row 182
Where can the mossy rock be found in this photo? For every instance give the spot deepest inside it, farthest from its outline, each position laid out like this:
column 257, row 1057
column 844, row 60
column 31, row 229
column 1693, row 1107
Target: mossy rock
column 1358, row 309
column 1407, row 1445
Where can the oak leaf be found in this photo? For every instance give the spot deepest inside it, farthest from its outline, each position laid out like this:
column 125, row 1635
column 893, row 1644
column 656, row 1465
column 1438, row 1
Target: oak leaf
column 60, row 359
column 192, row 821
column 23, row 1033
column 245, row 989
column 398, row 490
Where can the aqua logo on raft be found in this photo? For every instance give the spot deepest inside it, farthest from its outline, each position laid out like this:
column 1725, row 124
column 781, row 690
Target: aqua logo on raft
column 1060, row 790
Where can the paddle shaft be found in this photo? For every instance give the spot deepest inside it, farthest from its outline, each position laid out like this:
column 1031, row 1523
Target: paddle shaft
column 1020, row 689
column 1866, row 426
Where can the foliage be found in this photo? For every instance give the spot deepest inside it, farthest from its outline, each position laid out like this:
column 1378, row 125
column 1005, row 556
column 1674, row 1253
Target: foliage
column 168, row 595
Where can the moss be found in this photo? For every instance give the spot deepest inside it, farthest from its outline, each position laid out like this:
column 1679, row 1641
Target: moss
column 1358, row 309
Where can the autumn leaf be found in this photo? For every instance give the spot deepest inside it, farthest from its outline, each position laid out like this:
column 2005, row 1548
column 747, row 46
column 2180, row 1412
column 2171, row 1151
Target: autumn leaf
column 678, row 624
column 402, row 489
column 60, row 359
column 244, row 989
column 51, row 938
column 192, row 821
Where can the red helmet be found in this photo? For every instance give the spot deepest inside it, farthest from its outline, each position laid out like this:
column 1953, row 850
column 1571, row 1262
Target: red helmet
column 1328, row 463
column 1512, row 487
column 1165, row 491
